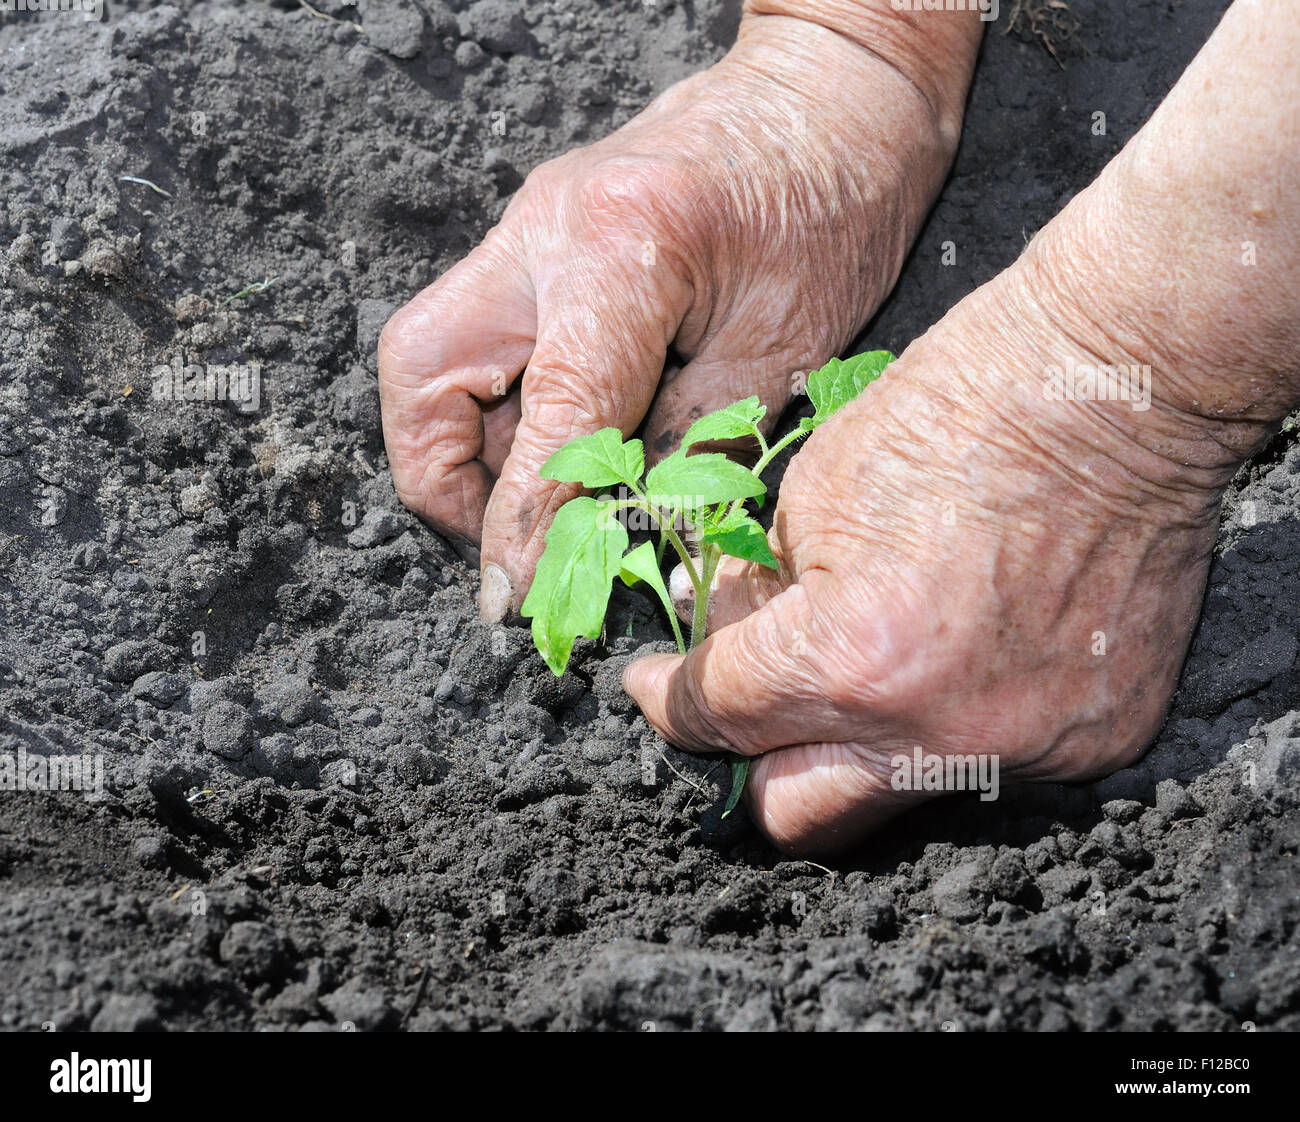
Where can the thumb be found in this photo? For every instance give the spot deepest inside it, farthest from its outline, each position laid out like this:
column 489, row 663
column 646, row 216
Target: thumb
column 763, row 682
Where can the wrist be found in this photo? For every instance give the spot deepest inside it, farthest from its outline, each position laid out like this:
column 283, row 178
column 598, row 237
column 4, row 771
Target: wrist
column 1126, row 294
column 1183, row 254
column 933, row 51
column 832, row 103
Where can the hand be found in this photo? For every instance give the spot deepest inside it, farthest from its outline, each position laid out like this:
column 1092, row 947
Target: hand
column 966, row 567
column 974, row 568
column 750, row 220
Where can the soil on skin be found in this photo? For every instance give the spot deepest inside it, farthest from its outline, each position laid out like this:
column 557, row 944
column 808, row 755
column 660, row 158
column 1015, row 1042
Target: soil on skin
column 349, row 803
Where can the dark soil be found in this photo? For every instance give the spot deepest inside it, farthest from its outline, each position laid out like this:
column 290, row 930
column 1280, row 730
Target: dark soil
column 357, row 806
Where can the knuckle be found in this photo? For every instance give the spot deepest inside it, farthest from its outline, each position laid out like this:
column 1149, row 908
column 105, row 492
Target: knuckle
column 556, row 389
column 398, row 341
column 561, row 396
column 632, row 199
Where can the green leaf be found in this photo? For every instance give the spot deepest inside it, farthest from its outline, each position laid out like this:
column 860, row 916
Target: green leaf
column 599, row 460
column 696, row 481
column 840, row 381
column 739, row 773
column 740, row 419
column 641, row 565
column 738, row 535
column 584, row 551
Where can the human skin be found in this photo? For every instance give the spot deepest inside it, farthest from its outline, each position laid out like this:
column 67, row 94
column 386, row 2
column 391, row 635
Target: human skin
column 751, row 219
column 954, row 543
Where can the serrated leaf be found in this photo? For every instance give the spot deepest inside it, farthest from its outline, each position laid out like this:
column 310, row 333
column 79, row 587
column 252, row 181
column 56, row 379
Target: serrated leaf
column 702, row 480
column 840, row 381
column 584, row 553
column 738, row 535
column 740, row 419
column 599, row 460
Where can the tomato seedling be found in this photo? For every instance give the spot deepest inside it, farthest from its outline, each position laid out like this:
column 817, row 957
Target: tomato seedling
column 699, row 498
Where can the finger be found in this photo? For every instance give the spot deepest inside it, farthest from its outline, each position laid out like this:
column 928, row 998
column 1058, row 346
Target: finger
column 738, row 589
column 777, row 677
column 822, row 798
column 500, row 419
column 727, row 370
column 600, row 350
column 454, row 349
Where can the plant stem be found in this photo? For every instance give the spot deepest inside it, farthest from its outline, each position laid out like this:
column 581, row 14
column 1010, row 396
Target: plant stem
column 666, row 534
column 663, row 540
column 699, row 620
column 771, row 453
column 677, row 627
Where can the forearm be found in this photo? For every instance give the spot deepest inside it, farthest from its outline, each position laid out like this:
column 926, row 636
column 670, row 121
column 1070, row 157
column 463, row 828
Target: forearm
column 935, row 51
column 1185, row 254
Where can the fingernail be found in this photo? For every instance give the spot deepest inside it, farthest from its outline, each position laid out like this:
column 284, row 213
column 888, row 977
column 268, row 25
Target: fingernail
column 494, row 595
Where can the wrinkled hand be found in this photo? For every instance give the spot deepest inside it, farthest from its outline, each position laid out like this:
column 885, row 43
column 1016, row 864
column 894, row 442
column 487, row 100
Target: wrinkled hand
column 750, row 220
column 966, row 567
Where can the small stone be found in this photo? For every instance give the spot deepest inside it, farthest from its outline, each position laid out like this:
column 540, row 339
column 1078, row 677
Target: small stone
column 159, row 688
column 393, row 26
column 962, row 893
column 127, row 1013
column 66, row 236
column 496, row 25
column 1009, row 878
column 1122, row 811
column 127, row 661
column 361, row 1008
column 192, row 308
column 150, row 852
column 1174, row 801
column 377, row 527
column 254, row 951
column 196, row 500
column 228, row 730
